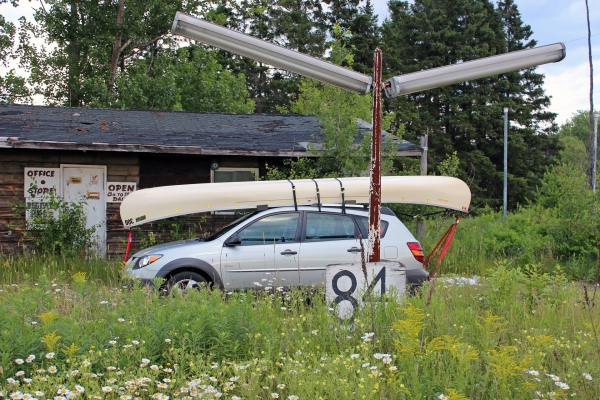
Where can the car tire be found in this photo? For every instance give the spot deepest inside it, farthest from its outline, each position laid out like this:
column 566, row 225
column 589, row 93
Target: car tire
column 182, row 282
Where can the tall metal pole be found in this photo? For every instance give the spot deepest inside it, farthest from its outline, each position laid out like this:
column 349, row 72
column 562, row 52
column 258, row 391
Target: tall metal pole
column 422, row 171
column 505, row 191
column 375, row 190
column 595, row 152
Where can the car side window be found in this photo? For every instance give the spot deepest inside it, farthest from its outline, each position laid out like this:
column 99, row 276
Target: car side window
column 363, row 223
column 278, row 228
column 323, row 226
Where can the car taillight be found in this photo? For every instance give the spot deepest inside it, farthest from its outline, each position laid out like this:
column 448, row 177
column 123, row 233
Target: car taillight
column 416, row 250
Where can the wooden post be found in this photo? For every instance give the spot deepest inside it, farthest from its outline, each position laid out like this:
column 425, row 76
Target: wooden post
column 375, row 190
column 423, row 171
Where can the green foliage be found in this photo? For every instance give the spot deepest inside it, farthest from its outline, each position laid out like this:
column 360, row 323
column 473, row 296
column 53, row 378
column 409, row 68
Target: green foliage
column 189, row 79
column 170, row 229
column 57, row 226
column 12, row 86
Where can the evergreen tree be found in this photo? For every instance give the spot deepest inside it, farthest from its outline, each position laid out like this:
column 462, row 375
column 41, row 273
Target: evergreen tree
column 467, row 117
column 364, row 39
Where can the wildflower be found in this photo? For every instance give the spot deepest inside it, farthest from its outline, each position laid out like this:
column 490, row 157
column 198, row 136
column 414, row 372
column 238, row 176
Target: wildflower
column 50, row 356
column 368, row 337
column 27, row 380
column 162, row 385
column 11, row 381
column 19, row 361
column 20, row 373
column 387, row 360
column 443, row 397
column 154, row 367
column 271, row 376
column 104, row 302
column 113, row 342
column 63, row 391
column 354, row 356
column 145, row 361
column 39, row 394
column 168, row 370
column 393, row 368
column 167, row 340
column 315, row 332
column 52, row 369
column 284, row 308
column 135, row 342
column 86, row 363
column 79, row 389
column 235, row 378
column 378, row 356
column 30, row 358
column 281, row 386
column 562, row 385
column 33, row 322
column 533, row 372
column 125, row 397
column 274, row 395
column 75, row 372
column 110, row 368
column 293, row 397
column 553, row 377
column 121, row 319
column 587, row 376
column 106, row 389
column 365, row 365
column 111, row 380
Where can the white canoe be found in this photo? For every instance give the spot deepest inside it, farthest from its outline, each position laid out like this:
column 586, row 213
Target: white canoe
column 148, row 205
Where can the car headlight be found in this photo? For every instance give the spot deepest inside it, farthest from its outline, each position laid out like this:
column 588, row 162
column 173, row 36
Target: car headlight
column 146, row 260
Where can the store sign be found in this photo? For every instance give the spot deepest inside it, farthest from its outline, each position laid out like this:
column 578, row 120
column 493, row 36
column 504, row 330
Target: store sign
column 117, row 191
column 40, row 183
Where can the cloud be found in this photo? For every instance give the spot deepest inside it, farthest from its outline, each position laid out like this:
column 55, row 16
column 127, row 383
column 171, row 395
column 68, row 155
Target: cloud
column 570, row 89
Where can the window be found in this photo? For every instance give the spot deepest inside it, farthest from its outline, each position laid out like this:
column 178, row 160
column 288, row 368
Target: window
column 226, row 174
column 363, row 223
column 322, row 226
column 278, row 228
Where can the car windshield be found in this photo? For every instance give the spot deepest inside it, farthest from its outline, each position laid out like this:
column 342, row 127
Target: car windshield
column 222, row 231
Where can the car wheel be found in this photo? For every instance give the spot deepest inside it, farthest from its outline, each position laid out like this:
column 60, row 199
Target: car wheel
column 182, row 282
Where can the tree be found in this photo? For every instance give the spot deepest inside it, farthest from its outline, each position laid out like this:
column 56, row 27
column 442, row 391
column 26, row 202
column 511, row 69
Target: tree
column 188, row 79
column 93, row 42
column 12, row 86
column 467, row 117
column 574, row 136
column 365, row 36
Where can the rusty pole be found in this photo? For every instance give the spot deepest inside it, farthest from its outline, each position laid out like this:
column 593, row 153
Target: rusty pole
column 375, row 190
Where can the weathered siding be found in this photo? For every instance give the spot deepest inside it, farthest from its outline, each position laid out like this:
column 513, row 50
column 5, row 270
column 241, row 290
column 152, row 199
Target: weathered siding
column 145, row 170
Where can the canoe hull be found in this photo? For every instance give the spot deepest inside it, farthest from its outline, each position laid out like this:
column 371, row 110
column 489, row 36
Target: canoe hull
column 153, row 204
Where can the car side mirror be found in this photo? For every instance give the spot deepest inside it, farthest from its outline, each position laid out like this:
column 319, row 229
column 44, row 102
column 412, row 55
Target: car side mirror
column 233, row 241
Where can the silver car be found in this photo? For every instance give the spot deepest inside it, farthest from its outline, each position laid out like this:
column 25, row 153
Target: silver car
column 284, row 246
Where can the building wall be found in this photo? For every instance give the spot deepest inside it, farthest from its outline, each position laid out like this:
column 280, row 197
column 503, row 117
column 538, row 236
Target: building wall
column 147, row 170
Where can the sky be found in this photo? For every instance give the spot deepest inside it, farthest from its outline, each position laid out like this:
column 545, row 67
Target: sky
column 552, row 21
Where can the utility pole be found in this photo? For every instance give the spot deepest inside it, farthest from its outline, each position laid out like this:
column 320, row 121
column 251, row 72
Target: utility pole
column 505, row 191
column 595, row 152
column 423, row 171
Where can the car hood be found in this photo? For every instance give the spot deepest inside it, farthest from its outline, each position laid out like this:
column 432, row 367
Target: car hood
column 168, row 247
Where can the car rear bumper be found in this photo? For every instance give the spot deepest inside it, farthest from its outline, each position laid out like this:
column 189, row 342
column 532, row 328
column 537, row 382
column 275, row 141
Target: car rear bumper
column 416, row 277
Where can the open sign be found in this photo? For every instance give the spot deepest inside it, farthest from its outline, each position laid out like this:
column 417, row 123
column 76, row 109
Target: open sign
column 117, row 191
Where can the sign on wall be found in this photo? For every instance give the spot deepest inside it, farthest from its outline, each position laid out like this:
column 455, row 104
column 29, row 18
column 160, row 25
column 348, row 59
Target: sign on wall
column 347, row 289
column 117, row 191
column 40, row 182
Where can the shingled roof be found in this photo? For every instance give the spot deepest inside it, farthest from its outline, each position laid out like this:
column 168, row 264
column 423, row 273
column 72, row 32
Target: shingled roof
column 288, row 135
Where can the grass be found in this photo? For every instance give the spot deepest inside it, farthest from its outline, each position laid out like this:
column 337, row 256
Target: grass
column 517, row 334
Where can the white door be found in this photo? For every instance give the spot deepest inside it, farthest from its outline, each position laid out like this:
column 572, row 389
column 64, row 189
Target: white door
column 86, row 183
column 267, row 253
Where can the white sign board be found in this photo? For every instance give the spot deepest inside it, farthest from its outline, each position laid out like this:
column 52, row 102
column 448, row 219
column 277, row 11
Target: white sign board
column 346, row 287
column 117, row 191
column 40, row 182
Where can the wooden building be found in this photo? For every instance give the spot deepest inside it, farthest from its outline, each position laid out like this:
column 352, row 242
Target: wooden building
column 102, row 154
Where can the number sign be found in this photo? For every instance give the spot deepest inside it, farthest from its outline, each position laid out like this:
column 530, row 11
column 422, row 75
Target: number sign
column 347, row 289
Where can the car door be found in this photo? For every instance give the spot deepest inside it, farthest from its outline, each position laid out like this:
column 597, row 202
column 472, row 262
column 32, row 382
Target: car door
column 267, row 253
column 328, row 238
